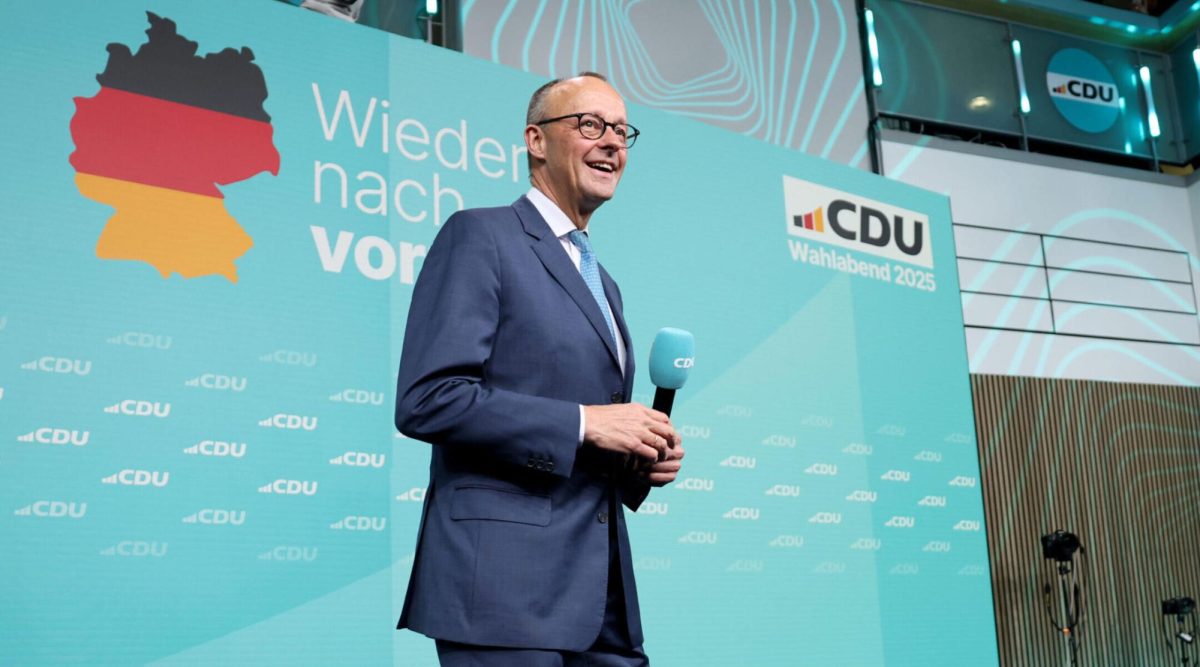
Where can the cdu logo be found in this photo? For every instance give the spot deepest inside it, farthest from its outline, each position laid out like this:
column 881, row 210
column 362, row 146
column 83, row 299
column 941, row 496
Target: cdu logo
column 778, row 440
column 742, row 514
column 210, row 516
column 136, row 549
column 735, row 461
column 139, row 408
column 829, row 469
column 290, row 554
column 829, row 567
column 359, row 460
column 374, row 524
column 791, row 490
column 217, row 448
column 652, row 563
column 141, row 339
column 358, row 396
column 787, row 541
column 866, row 544
column 58, row 365
column 825, row 215
column 289, row 422
column 699, row 432
column 48, row 435
column 1083, row 90
column 698, row 537
column 649, row 508
column 862, row 496
column 290, row 358
column 130, row 477
column 817, row 421
column 219, row 382
column 857, row 448
column 694, row 484
column 53, row 509
column 745, row 565
column 896, row 476
column 290, row 487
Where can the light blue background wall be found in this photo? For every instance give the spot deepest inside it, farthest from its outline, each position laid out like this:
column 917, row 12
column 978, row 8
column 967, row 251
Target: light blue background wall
column 829, row 510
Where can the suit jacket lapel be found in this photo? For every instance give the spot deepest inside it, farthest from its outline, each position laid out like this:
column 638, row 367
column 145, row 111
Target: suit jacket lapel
column 549, row 250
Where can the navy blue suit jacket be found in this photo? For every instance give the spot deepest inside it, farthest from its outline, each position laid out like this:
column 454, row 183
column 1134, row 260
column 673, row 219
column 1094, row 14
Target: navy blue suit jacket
column 504, row 342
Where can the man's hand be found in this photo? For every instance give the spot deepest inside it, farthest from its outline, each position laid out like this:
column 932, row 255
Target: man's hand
column 661, row 473
column 631, row 429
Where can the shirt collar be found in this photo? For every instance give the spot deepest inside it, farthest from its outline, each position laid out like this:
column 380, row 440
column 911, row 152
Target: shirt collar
column 559, row 223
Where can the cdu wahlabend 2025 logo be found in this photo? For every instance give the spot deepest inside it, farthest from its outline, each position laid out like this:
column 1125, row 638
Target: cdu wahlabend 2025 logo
column 1083, row 90
column 847, row 220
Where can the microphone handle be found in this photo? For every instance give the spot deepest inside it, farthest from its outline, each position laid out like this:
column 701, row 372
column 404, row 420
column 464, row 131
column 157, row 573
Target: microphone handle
column 663, row 400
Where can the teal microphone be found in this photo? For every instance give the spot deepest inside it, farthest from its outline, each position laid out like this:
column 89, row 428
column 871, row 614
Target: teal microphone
column 671, row 359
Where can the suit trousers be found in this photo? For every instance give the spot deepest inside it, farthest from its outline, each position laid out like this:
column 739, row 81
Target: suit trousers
column 611, row 649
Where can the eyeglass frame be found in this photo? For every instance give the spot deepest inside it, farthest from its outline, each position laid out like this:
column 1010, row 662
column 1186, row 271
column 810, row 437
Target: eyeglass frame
column 630, row 138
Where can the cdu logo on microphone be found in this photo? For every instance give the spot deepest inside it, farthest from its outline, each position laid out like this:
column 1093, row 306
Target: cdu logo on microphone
column 672, row 356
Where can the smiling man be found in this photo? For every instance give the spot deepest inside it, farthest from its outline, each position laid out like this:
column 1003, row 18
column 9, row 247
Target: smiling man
column 517, row 368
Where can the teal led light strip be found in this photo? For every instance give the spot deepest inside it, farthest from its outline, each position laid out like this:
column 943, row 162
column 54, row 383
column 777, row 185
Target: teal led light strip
column 1151, row 112
column 873, row 48
column 1016, row 50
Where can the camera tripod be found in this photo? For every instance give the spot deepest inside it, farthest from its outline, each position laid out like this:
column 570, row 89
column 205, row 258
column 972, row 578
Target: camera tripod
column 1069, row 608
column 1183, row 637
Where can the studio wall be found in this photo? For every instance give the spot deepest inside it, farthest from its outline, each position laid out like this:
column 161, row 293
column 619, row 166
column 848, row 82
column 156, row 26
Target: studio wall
column 1114, row 463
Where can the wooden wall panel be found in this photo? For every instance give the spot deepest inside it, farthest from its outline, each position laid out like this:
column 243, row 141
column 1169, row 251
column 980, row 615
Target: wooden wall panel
column 1117, row 464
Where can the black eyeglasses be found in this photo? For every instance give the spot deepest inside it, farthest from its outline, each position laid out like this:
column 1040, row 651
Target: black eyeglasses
column 592, row 126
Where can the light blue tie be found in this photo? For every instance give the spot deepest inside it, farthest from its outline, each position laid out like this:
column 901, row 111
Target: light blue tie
column 590, row 270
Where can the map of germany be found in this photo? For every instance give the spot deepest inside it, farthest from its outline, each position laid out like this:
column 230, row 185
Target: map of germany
column 166, row 129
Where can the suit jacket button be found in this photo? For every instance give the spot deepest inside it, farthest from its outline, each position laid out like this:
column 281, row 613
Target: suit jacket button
column 602, row 517
column 616, row 397
column 550, row 465
column 530, row 463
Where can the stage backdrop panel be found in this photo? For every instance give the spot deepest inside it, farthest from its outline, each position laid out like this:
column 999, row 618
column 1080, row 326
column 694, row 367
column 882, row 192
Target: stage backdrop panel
column 213, row 233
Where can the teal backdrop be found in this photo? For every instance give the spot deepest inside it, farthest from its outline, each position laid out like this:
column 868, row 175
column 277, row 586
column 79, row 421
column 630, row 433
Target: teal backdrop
column 197, row 470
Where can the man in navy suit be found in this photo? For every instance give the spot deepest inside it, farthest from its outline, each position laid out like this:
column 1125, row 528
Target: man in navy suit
column 517, row 367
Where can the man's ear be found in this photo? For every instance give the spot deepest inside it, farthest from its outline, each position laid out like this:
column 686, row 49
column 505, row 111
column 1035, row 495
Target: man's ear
column 535, row 141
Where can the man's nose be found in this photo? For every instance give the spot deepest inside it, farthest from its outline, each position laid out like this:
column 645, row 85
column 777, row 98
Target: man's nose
column 609, row 139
